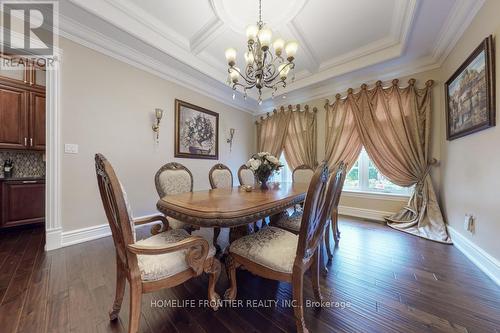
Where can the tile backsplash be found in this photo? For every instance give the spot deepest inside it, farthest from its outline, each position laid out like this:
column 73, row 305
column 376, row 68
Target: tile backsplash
column 26, row 163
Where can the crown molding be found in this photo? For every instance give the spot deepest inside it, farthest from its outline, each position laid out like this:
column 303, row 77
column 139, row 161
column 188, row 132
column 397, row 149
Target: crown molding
column 94, row 40
column 462, row 14
column 206, row 35
column 311, row 58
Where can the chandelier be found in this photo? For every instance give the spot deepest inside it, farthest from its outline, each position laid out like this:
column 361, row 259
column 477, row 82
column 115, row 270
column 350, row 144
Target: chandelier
column 263, row 69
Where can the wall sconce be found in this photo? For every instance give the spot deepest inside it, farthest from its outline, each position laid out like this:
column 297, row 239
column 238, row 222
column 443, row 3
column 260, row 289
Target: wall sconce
column 231, row 136
column 156, row 125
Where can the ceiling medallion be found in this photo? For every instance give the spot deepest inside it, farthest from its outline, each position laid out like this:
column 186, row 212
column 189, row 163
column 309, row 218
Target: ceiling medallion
column 263, row 69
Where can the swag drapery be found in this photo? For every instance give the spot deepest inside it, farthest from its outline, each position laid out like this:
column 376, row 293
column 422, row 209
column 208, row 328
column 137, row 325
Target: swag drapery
column 291, row 131
column 393, row 124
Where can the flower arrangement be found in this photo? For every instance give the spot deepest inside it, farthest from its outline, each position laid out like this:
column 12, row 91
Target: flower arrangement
column 264, row 165
column 198, row 132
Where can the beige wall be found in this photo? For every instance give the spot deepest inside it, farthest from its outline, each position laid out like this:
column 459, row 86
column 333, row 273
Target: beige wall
column 107, row 106
column 471, row 165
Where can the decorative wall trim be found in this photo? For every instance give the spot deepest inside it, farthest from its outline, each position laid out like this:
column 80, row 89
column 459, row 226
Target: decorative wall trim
column 484, row 261
column 369, row 214
column 89, row 233
column 53, row 157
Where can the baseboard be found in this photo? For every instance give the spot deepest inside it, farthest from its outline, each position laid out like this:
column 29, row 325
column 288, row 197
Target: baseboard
column 53, row 239
column 87, row 234
column 484, row 261
column 369, row 214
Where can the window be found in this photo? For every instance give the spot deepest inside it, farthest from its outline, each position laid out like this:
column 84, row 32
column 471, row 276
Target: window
column 365, row 177
column 285, row 174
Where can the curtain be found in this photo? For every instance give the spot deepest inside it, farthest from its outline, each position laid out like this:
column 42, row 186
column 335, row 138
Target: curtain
column 343, row 142
column 301, row 140
column 272, row 132
column 394, row 126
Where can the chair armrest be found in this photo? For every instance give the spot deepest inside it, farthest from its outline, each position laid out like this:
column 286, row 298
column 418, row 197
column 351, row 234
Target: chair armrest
column 195, row 257
column 156, row 229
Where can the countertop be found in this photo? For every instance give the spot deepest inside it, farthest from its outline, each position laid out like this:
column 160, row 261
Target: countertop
column 2, row 178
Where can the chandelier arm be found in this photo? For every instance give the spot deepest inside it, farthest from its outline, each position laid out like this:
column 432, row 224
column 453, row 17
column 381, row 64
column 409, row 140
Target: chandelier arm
column 247, row 80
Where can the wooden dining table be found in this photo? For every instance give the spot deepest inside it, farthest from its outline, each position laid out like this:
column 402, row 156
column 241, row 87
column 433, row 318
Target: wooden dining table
column 234, row 207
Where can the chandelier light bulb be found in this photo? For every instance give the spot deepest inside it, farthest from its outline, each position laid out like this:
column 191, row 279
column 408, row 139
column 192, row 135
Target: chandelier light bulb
column 291, row 50
column 283, row 70
column 278, row 46
column 265, row 35
column 231, row 56
column 234, row 74
column 249, row 59
column 252, row 31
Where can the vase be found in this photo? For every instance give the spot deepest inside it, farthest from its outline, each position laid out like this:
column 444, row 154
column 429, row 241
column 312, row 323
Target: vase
column 263, row 183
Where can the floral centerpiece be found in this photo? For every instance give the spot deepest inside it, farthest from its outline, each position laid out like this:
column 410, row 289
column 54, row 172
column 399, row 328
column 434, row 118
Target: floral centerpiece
column 264, row 165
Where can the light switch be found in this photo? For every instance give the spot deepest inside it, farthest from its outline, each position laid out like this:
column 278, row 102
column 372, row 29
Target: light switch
column 70, row 148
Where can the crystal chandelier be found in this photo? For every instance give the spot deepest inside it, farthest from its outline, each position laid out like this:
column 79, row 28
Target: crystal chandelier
column 263, row 68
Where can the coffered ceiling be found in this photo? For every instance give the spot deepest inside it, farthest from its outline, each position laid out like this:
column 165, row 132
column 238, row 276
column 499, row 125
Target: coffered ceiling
column 186, row 39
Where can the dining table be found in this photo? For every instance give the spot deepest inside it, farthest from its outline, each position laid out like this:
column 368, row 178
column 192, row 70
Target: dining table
column 237, row 208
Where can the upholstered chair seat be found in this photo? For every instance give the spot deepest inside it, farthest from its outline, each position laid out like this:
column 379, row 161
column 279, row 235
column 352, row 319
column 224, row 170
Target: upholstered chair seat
column 291, row 222
column 156, row 267
column 271, row 247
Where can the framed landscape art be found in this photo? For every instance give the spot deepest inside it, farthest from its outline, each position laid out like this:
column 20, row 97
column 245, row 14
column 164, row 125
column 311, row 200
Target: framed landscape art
column 470, row 93
column 196, row 132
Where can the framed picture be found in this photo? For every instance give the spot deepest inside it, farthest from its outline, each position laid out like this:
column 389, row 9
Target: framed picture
column 196, row 131
column 470, row 93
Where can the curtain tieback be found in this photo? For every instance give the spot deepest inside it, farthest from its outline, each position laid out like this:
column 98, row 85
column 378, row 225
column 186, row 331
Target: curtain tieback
column 430, row 164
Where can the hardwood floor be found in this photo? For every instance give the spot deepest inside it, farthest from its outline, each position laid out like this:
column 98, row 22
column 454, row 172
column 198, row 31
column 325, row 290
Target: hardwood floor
column 382, row 279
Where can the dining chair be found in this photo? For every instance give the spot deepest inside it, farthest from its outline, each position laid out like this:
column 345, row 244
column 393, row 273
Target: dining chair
column 174, row 178
column 246, row 176
column 277, row 254
column 220, row 176
column 291, row 221
column 164, row 260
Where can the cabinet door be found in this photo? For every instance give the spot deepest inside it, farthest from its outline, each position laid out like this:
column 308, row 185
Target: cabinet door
column 13, row 118
column 37, row 121
column 14, row 69
column 23, row 202
column 39, row 77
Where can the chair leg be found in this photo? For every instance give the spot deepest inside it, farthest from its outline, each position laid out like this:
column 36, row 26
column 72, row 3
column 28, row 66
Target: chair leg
column 327, row 242
column 231, row 266
column 315, row 275
column 212, row 268
column 216, row 237
column 298, row 301
column 335, row 227
column 121, row 281
column 135, row 307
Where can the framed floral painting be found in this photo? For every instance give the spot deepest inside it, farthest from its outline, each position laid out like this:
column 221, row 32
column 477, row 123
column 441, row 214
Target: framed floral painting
column 196, row 131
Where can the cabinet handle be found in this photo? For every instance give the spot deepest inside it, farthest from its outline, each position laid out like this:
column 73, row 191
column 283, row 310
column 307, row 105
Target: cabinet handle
column 29, row 181
column 25, row 141
column 31, row 142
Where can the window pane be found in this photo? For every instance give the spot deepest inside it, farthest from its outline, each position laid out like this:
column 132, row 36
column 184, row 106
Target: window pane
column 379, row 183
column 285, row 174
column 352, row 178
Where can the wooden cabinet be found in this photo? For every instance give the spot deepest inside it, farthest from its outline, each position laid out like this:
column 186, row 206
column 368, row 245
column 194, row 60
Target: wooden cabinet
column 22, row 116
column 37, row 121
column 13, row 118
column 22, row 202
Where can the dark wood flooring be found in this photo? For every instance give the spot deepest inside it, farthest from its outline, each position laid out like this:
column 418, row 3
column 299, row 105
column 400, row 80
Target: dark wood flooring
column 383, row 281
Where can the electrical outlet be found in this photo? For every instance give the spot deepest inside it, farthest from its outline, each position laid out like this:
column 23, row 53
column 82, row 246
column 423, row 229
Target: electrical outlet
column 469, row 223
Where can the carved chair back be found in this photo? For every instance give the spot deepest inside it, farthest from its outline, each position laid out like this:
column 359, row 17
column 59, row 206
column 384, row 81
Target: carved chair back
column 220, row 176
column 173, row 178
column 302, row 174
column 246, row 176
column 116, row 208
column 320, row 199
